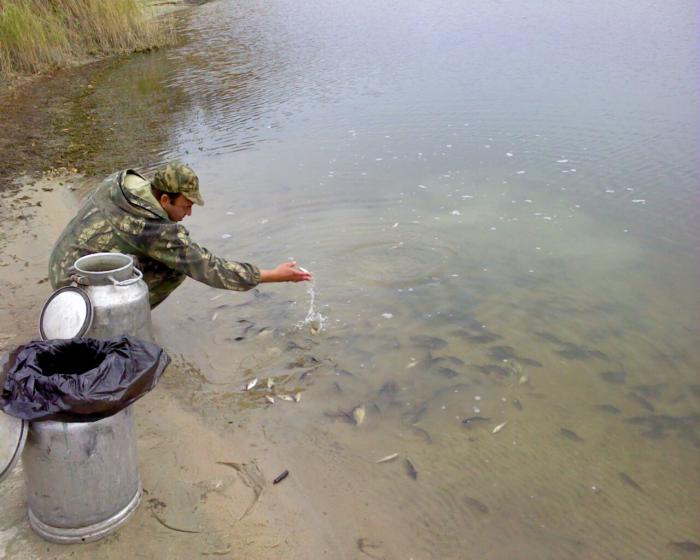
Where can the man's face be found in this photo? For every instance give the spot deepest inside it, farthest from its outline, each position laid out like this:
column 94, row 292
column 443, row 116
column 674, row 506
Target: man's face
column 178, row 208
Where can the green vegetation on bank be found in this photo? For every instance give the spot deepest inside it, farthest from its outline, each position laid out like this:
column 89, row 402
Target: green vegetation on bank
column 38, row 35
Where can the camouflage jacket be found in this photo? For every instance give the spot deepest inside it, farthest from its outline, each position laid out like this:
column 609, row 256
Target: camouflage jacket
column 128, row 219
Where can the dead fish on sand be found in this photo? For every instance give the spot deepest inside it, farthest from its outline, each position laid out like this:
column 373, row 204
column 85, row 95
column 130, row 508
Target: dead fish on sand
column 251, row 384
column 289, row 398
column 410, row 469
column 388, row 458
column 270, row 399
column 498, row 428
column 358, row 414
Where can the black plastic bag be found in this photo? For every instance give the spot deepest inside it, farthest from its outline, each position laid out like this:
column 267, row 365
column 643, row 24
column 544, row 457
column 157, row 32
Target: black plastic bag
column 79, row 379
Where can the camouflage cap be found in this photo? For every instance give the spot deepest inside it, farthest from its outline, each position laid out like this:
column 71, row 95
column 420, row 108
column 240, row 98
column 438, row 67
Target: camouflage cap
column 178, row 178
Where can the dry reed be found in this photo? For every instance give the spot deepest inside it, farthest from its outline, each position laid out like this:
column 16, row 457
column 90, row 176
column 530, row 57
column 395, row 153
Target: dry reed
column 38, row 35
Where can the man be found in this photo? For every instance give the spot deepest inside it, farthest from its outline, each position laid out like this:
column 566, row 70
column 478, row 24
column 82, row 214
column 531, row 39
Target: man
column 127, row 214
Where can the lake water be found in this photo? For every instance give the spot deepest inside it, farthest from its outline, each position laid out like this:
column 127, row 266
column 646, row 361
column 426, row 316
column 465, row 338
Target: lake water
column 499, row 204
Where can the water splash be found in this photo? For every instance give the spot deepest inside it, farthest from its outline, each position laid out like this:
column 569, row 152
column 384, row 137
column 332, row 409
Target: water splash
column 314, row 320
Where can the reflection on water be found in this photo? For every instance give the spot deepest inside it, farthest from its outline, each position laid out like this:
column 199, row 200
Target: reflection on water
column 496, row 202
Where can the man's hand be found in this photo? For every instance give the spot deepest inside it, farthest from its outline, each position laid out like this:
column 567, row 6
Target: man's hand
column 285, row 272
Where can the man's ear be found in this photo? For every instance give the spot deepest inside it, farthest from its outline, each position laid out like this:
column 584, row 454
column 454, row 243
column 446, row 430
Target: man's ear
column 164, row 199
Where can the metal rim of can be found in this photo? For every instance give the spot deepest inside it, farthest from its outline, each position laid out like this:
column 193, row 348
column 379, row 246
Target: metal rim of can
column 16, row 446
column 88, row 310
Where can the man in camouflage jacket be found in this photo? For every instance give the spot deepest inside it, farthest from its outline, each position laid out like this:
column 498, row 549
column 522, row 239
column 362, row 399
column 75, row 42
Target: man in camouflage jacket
column 127, row 214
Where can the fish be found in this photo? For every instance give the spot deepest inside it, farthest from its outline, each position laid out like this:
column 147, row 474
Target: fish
column 358, row 415
column 651, row 391
column 297, row 397
column 270, row 399
column 430, row 342
column 499, row 428
column 270, row 383
column 629, row 481
column 686, row 546
column 284, row 474
column 251, row 384
column 303, row 270
column 422, row 433
column 641, row 401
column 493, row 368
column 388, row 458
column 523, row 379
column 570, row 434
column 447, row 372
column 608, row 408
column 286, row 397
column 413, row 416
column 517, row 404
column 502, row 353
column 613, row 376
column 476, row 504
column 450, row 359
column 410, row 469
column 388, row 390
column 483, row 337
column 472, row 420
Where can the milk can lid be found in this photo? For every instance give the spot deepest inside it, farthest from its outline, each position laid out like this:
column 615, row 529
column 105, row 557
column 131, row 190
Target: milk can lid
column 66, row 314
column 13, row 434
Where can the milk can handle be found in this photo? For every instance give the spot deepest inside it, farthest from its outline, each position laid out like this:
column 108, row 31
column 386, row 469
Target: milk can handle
column 130, row 281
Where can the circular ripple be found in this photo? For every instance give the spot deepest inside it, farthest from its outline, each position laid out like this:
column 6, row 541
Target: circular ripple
column 398, row 265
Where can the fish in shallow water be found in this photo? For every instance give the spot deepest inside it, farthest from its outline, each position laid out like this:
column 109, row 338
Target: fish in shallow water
column 429, row 342
column 570, row 434
column 388, row 390
column 608, row 408
column 476, row 505
column 614, row 376
column 685, row 546
column 493, row 368
column 644, row 403
column 422, row 433
column 629, row 481
column 517, row 404
column 251, row 384
column 447, row 372
column 473, row 420
column 410, row 469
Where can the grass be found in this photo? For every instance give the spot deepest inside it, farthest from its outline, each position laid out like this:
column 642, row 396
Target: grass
column 40, row 35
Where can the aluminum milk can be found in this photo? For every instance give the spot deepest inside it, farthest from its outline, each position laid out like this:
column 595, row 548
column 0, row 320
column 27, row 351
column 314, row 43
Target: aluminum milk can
column 108, row 298
column 82, row 477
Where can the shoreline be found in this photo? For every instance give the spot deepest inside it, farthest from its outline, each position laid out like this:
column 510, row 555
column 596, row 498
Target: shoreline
column 43, row 188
